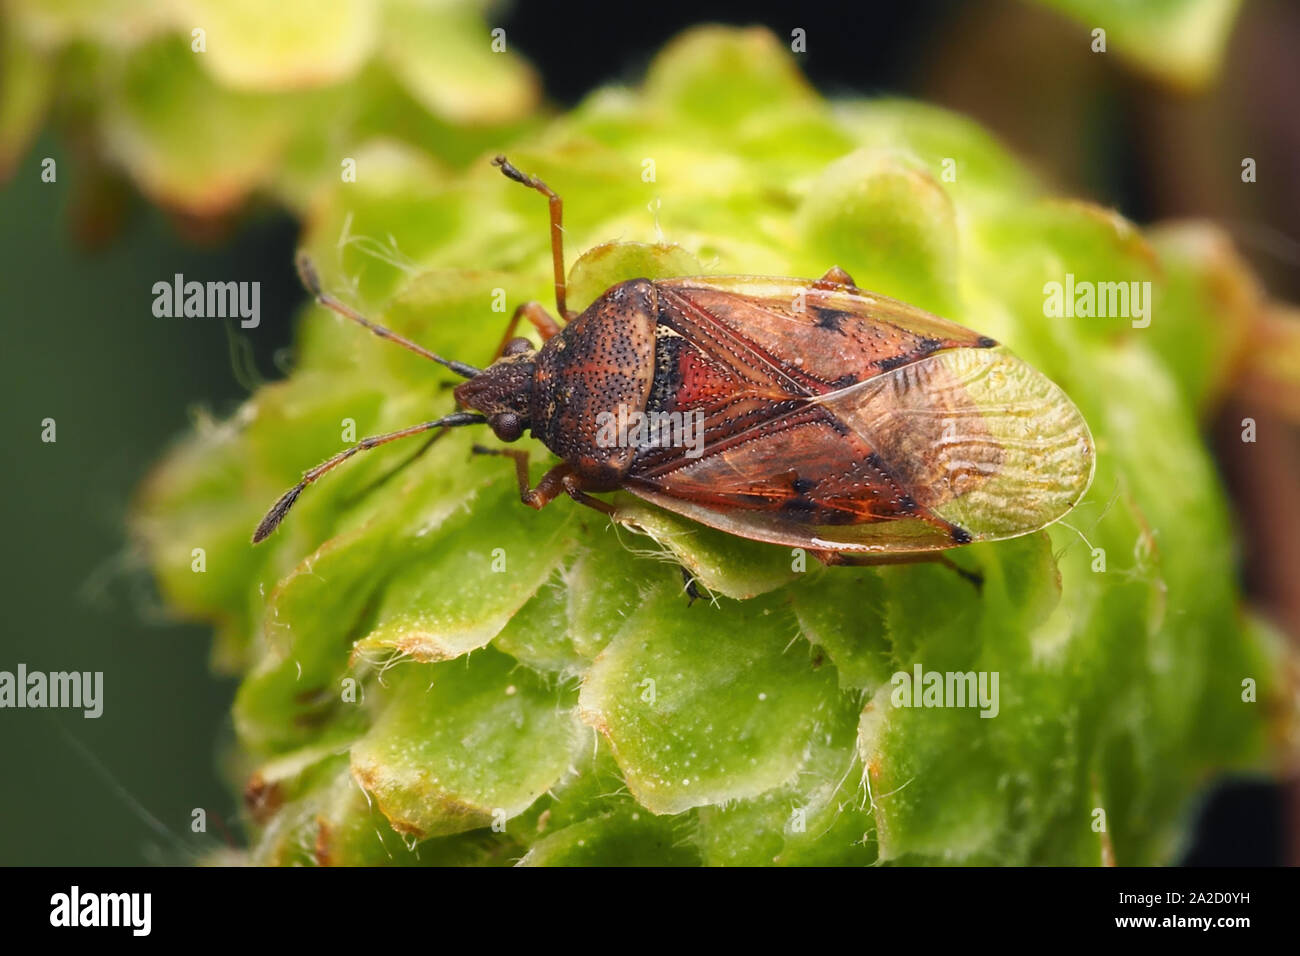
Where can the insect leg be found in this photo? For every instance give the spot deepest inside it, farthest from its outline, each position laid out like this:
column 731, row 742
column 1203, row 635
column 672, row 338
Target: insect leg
column 573, row 488
column 557, row 228
column 835, row 278
column 552, row 482
column 286, row 500
column 541, row 320
column 521, row 465
column 839, row 558
column 688, row 585
column 561, row 478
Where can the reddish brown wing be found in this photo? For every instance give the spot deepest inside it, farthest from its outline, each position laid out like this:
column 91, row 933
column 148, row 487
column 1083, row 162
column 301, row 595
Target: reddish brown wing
column 745, row 350
column 823, row 410
column 821, row 338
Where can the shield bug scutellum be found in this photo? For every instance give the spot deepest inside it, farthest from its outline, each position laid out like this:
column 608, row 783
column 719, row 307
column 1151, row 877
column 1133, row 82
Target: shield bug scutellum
column 857, row 427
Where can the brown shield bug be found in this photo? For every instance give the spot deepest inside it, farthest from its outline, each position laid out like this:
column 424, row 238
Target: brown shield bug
column 804, row 413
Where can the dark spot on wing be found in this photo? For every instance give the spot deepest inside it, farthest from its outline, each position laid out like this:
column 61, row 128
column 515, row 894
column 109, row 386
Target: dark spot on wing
column 961, row 535
column 804, row 484
column 831, row 319
column 985, row 342
column 923, row 348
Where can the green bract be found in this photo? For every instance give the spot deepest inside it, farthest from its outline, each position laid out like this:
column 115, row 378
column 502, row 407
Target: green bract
column 433, row 673
column 206, row 102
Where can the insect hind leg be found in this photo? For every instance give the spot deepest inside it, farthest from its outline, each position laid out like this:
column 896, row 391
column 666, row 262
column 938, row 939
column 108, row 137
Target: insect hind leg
column 689, row 586
column 841, row 559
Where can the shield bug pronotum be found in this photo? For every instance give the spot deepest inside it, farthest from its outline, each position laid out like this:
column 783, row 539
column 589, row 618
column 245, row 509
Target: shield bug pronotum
column 818, row 415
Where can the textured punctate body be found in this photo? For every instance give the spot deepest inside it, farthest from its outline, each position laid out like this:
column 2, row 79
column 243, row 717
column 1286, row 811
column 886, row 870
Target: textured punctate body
column 600, row 362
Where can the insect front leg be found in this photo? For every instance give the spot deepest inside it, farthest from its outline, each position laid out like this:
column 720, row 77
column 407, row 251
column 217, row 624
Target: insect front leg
column 540, row 319
column 530, row 497
column 839, row 559
column 559, row 479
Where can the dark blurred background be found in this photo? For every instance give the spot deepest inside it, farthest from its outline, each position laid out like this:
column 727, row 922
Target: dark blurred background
column 84, row 349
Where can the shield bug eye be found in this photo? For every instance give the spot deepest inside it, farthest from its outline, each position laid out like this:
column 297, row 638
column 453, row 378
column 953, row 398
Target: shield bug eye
column 517, row 345
column 506, row 426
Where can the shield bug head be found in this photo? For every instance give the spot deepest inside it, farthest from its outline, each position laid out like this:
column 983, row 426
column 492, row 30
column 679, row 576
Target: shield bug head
column 503, row 392
column 858, row 427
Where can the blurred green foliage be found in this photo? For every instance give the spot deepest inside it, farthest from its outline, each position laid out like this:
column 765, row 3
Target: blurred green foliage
column 205, row 103
column 1178, row 41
